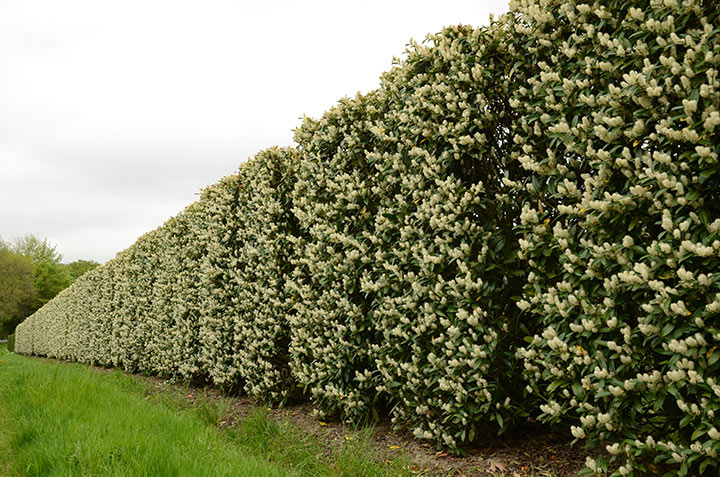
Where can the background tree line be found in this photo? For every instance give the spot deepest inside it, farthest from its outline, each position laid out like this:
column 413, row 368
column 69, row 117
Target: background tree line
column 31, row 274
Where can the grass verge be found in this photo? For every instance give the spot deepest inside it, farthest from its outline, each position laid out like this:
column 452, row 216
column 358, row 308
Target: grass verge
column 69, row 419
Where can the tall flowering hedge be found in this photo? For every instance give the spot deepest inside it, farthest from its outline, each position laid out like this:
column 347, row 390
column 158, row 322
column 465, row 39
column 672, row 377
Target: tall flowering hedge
column 406, row 263
column 263, row 298
column 447, row 277
column 522, row 220
column 332, row 327
column 618, row 110
column 219, row 236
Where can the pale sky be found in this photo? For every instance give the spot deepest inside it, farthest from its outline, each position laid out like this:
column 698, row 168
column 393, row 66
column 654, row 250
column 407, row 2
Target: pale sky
column 114, row 114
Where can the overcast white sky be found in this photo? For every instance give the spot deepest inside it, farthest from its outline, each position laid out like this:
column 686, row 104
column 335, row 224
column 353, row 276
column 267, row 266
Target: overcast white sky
column 113, row 114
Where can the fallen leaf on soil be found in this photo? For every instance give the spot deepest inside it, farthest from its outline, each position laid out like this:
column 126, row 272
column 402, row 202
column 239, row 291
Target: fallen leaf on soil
column 496, row 466
column 394, row 447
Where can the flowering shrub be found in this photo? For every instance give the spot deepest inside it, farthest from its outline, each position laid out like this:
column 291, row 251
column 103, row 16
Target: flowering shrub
column 552, row 178
column 218, row 301
column 405, row 264
column 446, row 278
column 332, row 328
column 264, row 303
column 618, row 126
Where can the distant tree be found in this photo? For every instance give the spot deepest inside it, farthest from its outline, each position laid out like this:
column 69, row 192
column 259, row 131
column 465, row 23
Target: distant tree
column 37, row 260
column 17, row 289
column 51, row 276
column 79, row 267
column 50, row 279
column 36, row 249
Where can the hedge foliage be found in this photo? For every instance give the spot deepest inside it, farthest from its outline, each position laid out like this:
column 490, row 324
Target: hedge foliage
column 619, row 124
column 522, row 220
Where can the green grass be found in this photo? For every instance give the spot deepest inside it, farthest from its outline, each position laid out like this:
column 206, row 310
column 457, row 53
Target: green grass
column 60, row 419
column 280, row 441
